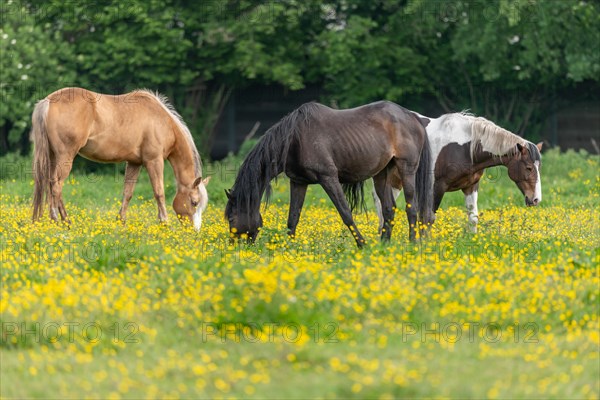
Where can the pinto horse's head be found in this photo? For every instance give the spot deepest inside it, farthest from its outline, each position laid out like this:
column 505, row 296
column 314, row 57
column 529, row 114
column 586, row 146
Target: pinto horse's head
column 191, row 201
column 242, row 223
column 524, row 169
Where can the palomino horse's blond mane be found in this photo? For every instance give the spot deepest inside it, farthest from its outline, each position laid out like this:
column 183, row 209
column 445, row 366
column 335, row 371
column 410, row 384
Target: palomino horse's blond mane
column 166, row 104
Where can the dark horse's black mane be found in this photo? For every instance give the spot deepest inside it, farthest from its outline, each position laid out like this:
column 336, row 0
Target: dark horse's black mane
column 266, row 160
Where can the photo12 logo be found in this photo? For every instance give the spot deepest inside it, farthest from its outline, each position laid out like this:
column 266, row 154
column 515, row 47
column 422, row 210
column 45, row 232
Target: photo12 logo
column 268, row 332
column 69, row 331
column 453, row 332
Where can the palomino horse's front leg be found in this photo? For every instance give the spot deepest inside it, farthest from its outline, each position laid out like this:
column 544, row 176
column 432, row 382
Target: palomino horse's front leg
column 471, row 205
column 334, row 190
column 155, row 172
column 297, row 194
column 132, row 171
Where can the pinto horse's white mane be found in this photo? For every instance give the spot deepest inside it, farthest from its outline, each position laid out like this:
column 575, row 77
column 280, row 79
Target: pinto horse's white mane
column 484, row 134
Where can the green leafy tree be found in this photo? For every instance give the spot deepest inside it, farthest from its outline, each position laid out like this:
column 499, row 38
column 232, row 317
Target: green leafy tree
column 120, row 46
column 363, row 56
column 512, row 61
column 32, row 61
column 195, row 52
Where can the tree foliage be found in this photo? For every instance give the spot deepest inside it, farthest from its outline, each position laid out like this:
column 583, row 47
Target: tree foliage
column 31, row 60
column 510, row 60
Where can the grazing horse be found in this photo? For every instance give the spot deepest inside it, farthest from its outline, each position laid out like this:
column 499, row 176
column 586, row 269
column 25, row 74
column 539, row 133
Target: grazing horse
column 338, row 149
column 141, row 128
column 462, row 147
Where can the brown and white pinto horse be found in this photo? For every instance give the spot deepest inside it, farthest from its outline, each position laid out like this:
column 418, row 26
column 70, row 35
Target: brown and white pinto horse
column 140, row 127
column 462, row 147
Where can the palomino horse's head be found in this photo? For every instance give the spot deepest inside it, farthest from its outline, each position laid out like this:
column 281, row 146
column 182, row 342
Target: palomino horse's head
column 191, row 201
column 524, row 170
column 242, row 224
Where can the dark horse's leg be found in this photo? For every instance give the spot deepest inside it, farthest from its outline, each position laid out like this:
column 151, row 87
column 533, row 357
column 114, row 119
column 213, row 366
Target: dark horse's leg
column 334, row 190
column 297, row 193
column 408, row 176
column 384, row 193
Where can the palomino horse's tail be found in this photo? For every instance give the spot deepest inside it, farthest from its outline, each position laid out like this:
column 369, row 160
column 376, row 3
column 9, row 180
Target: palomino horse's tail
column 424, row 183
column 41, row 158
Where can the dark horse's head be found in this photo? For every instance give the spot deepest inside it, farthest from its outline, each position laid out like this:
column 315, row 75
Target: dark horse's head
column 524, row 169
column 244, row 221
column 264, row 162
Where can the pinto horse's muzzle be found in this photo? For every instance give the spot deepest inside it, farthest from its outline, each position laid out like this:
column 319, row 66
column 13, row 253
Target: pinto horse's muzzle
column 529, row 202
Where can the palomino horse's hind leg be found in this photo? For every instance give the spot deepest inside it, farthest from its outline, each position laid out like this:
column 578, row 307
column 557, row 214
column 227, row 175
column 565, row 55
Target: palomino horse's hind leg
column 132, row 172
column 61, row 168
column 386, row 199
column 155, row 171
column 297, row 194
column 334, row 190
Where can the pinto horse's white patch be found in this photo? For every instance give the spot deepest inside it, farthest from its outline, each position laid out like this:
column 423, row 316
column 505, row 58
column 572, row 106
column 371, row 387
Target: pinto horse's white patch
column 472, row 212
column 445, row 130
column 395, row 193
column 538, row 185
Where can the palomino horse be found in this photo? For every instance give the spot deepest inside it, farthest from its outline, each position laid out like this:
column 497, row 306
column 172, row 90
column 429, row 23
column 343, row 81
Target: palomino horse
column 337, row 149
column 140, row 127
column 462, row 147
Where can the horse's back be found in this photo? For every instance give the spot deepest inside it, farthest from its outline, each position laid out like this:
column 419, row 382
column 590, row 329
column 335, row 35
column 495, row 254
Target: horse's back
column 108, row 128
column 356, row 142
column 382, row 125
column 111, row 107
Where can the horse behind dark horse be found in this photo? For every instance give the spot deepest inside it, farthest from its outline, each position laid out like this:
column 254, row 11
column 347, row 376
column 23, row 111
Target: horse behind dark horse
column 337, row 149
column 463, row 146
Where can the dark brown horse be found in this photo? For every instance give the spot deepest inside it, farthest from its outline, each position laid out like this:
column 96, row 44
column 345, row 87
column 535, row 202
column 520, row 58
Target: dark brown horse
column 462, row 147
column 338, row 149
column 140, row 127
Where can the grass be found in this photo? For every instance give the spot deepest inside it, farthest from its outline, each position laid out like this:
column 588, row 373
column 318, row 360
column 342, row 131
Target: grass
column 104, row 310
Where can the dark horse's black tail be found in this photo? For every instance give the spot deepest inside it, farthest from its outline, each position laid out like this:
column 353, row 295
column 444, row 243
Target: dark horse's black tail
column 424, row 183
column 355, row 195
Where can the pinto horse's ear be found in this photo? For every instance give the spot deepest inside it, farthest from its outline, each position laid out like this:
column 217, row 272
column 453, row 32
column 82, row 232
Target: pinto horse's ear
column 206, row 180
column 197, row 182
column 521, row 148
column 539, row 146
